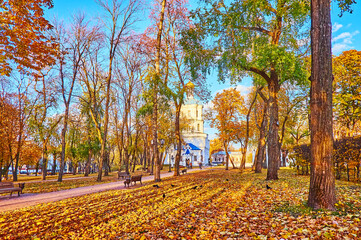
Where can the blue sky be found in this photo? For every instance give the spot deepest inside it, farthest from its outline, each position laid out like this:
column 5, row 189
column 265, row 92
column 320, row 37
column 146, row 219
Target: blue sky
column 346, row 33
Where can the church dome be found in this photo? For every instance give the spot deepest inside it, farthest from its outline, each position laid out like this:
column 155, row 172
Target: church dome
column 190, row 85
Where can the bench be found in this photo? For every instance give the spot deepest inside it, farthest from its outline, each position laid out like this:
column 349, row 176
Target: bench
column 136, row 178
column 184, row 171
column 9, row 187
column 128, row 181
column 123, row 175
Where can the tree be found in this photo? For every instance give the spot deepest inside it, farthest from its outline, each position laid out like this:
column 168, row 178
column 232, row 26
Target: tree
column 227, row 110
column 322, row 180
column 258, row 38
column 22, row 36
column 73, row 45
column 129, row 73
column 120, row 16
column 41, row 123
column 346, row 92
column 156, row 80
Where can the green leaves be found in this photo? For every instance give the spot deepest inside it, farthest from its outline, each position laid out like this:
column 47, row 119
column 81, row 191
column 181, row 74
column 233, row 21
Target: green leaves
column 248, row 34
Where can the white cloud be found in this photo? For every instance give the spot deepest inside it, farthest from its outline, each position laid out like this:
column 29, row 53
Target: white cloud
column 344, row 35
column 339, row 47
column 343, row 41
column 336, row 27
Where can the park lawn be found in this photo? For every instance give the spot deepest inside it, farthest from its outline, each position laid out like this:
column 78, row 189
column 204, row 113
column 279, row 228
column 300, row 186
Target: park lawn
column 225, row 204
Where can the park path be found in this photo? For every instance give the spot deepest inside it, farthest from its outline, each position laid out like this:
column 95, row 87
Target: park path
column 26, row 200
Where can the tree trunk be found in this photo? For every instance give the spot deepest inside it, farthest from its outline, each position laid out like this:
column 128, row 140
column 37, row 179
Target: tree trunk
column 87, row 165
column 273, row 145
column 178, row 140
column 63, row 144
column 106, row 164
column 53, row 170
column 322, row 181
column 17, row 157
column 157, row 78
column 260, row 157
column 227, row 155
column 45, row 161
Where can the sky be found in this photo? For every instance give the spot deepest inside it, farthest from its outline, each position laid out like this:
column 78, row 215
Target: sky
column 346, row 35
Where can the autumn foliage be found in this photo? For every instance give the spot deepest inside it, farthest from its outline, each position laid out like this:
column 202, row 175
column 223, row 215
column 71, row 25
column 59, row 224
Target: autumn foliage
column 207, row 205
column 23, row 39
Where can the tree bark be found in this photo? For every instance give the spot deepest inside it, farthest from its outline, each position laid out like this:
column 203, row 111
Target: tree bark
column 45, row 160
column 53, row 170
column 178, row 140
column 261, row 144
column 322, row 180
column 155, row 110
column 273, row 145
column 244, row 150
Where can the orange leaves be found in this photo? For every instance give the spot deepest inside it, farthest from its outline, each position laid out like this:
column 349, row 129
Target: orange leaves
column 22, row 35
column 228, row 108
column 240, row 208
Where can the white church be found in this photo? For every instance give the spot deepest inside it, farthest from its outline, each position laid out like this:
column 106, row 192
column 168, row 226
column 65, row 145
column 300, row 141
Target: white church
column 196, row 143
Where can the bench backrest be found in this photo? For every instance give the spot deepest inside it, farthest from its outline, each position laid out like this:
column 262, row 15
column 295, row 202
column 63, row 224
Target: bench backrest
column 6, row 185
column 122, row 174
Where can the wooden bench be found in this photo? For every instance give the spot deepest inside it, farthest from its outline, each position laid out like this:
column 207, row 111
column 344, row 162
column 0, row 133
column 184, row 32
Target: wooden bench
column 9, row 187
column 136, row 178
column 123, row 175
column 184, row 171
column 127, row 181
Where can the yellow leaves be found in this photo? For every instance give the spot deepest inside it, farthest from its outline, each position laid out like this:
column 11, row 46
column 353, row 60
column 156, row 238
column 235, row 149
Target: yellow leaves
column 241, row 208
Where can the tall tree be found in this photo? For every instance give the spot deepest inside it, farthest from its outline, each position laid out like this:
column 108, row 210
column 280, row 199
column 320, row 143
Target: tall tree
column 258, row 38
column 156, row 80
column 41, row 122
column 22, row 35
column 322, row 181
column 225, row 116
column 73, row 45
column 120, row 17
column 346, row 92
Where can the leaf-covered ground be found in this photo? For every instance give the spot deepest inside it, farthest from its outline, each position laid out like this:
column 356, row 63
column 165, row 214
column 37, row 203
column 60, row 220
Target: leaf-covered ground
column 225, row 205
column 52, row 186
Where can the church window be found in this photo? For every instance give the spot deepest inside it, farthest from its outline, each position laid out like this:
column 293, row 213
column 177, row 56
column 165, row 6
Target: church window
column 197, row 113
column 198, row 127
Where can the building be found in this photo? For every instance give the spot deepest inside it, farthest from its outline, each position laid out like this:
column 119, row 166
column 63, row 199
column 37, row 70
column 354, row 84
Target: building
column 196, row 147
column 220, row 158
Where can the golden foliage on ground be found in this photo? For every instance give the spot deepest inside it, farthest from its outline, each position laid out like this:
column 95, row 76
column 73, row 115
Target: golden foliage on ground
column 225, row 204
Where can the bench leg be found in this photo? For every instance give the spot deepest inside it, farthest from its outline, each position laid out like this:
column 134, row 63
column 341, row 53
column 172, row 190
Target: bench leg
column 19, row 194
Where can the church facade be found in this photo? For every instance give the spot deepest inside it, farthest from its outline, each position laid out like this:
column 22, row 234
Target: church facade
column 196, row 143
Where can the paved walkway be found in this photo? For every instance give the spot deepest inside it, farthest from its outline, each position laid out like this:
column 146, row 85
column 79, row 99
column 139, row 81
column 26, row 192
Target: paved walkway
column 26, row 200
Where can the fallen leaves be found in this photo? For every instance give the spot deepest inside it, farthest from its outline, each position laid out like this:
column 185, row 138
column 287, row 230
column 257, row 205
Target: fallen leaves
column 241, row 208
